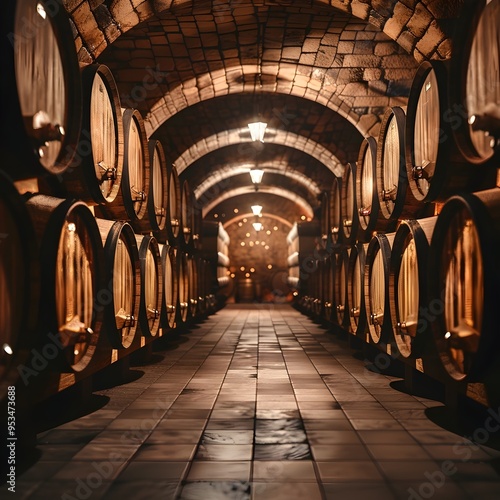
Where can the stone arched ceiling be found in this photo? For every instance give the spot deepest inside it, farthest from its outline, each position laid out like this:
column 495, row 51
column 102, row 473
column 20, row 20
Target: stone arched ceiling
column 320, row 72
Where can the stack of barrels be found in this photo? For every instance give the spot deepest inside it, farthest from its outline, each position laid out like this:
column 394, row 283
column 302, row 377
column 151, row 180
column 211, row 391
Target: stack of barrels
column 405, row 247
column 100, row 248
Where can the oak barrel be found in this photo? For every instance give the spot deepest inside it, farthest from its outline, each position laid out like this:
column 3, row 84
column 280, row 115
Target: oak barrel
column 170, row 233
column 183, row 284
column 336, row 212
column 193, row 281
column 326, row 220
column 475, row 81
column 151, row 286
column 40, row 89
column 158, row 193
column 187, row 215
column 376, row 287
column 96, row 171
column 131, row 200
column 435, row 168
column 328, row 292
column 355, row 290
column 341, row 297
column 170, row 284
column 350, row 219
column 464, row 284
column 408, row 286
column 72, row 269
column 395, row 197
column 19, row 284
column 122, row 296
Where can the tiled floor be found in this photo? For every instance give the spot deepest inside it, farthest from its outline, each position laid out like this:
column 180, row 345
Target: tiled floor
column 259, row 402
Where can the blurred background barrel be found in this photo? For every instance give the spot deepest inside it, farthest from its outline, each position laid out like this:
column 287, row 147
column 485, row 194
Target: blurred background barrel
column 328, row 292
column 151, row 286
column 464, row 281
column 40, row 90
column 131, row 201
column 96, row 172
column 187, row 215
column 408, row 286
column 193, row 283
column 122, row 294
column 376, row 287
column 19, row 283
column 171, row 231
column 72, row 268
column 475, row 81
column 158, row 187
column 183, row 284
column 350, row 219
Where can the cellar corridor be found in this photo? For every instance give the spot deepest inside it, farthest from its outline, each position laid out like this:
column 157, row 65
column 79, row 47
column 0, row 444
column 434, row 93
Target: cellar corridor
column 260, row 402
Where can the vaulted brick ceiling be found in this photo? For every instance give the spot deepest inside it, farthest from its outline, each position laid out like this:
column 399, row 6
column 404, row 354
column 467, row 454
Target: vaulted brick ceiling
column 320, row 74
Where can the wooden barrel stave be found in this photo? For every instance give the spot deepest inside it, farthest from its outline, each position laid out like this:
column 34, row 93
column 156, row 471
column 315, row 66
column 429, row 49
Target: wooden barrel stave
column 467, row 284
column 123, row 283
column 72, row 264
column 158, row 194
column 151, row 286
column 187, row 216
column 336, row 213
column 407, row 286
column 170, row 233
column 194, row 292
column 40, row 89
column 341, row 296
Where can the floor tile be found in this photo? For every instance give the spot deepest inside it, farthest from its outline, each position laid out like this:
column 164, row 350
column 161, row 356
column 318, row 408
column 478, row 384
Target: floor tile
column 285, row 491
column 219, row 471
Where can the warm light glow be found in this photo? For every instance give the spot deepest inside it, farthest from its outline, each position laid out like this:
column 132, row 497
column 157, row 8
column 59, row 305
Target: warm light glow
column 242, row 268
column 251, row 243
column 247, row 275
column 262, row 243
column 247, row 235
column 8, row 349
column 268, row 232
column 235, row 210
column 257, row 242
column 240, row 224
column 267, row 247
column 269, row 266
column 233, row 275
column 256, row 175
column 447, row 335
column 256, row 209
column 242, row 243
column 245, row 219
column 41, row 11
column 302, row 217
column 216, row 215
column 257, row 130
column 257, row 226
column 252, row 269
column 71, row 227
column 275, row 228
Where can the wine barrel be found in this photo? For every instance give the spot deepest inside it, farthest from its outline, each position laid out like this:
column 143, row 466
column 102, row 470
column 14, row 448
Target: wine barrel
column 96, row 172
column 350, row 219
column 355, row 290
column 367, row 202
column 158, row 193
column 172, row 226
column 326, row 221
column 183, row 283
column 187, row 215
column 434, row 166
column 151, row 286
column 123, row 282
column 341, row 297
column 131, row 201
column 475, row 81
column 395, row 198
column 72, row 269
column 335, row 212
column 19, row 284
column 171, row 289
column 408, row 286
column 328, row 293
column 376, row 288
column 464, row 284
column 317, row 283
column 193, row 282
column 40, row 89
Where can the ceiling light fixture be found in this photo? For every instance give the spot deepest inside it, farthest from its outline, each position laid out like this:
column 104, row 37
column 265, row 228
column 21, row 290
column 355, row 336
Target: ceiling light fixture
column 257, row 226
column 257, row 130
column 256, row 175
column 256, row 209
